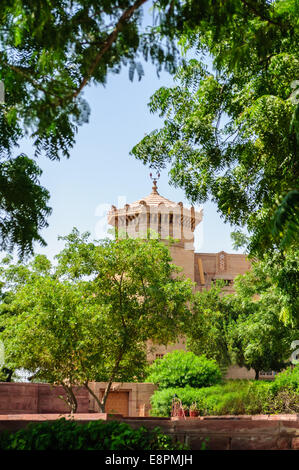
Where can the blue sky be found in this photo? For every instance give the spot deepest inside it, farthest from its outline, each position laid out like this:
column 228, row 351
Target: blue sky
column 100, row 170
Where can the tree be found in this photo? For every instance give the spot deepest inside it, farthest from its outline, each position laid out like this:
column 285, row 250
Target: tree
column 273, row 279
column 255, row 326
column 49, row 51
column 260, row 341
column 12, row 278
column 260, row 337
column 89, row 318
column 207, row 331
column 230, row 135
column 45, row 333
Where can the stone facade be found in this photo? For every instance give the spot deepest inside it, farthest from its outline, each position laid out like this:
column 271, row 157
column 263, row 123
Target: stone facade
column 209, row 267
column 129, row 399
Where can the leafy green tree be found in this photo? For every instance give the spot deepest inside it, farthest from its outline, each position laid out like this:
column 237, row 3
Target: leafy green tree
column 69, row 435
column 45, row 334
column 260, row 337
column 255, row 326
column 285, row 222
column 260, row 341
column 50, row 51
column 274, row 277
column 12, row 278
column 229, row 135
column 90, row 317
column 235, row 397
column 206, row 334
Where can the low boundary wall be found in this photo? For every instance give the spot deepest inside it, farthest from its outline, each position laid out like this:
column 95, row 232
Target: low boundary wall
column 277, row 432
column 274, row 432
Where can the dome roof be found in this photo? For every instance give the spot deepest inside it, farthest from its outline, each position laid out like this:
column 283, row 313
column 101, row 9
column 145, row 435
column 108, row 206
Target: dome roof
column 145, row 211
column 154, row 199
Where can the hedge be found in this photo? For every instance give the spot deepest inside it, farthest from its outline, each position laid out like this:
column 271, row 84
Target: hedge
column 96, row 435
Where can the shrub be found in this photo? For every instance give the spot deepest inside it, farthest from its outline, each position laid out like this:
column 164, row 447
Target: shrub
column 215, row 400
column 181, row 369
column 287, row 380
column 95, row 435
column 286, row 401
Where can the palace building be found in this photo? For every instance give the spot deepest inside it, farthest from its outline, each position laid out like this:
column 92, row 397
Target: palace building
column 171, row 219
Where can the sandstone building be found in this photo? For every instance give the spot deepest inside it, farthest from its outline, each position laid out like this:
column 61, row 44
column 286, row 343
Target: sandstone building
column 170, row 219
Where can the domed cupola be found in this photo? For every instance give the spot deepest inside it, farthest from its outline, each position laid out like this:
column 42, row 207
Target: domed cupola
column 154, row 214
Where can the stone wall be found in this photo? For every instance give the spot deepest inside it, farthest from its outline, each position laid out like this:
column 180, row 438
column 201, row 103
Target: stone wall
column 18, row 398
column 138, row 397
column 129, row 399
column 185, row 259
column 220, row 266
column 260, row 432
column 277, row 432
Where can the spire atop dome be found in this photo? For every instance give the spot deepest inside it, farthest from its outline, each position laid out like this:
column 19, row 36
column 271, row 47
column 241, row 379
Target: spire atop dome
column 154, row 180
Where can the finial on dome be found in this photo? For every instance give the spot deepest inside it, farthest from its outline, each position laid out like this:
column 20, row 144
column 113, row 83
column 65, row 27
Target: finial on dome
column 154, row 180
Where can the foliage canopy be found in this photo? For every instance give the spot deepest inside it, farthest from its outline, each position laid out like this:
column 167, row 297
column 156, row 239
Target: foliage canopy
column 184, row 369
column 50, row 51
column 232, row 134
column 89, row 317
column 255, row 326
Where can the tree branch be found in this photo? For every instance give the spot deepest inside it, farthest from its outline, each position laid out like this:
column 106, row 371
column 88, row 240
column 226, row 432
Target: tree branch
column 93, row 394
column 125, row 17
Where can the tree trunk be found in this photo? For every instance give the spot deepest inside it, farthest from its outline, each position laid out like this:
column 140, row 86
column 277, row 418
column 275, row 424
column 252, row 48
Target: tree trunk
column 101, row 403
column 105, row 396
column 257, row 374
column 70, row 398
column 95, row 397
column 108, row 387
